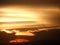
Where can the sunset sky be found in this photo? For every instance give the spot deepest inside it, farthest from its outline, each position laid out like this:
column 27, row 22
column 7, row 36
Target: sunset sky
column 34, row 15
column 18, row 15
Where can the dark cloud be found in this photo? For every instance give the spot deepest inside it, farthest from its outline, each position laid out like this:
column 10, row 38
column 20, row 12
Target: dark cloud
column 30, row 2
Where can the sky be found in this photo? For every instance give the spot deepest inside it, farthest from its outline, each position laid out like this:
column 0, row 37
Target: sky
column 19, row 13
column 40, row 12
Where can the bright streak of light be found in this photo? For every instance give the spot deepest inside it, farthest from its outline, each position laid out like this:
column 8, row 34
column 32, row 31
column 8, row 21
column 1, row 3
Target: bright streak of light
column 18, row 33
column 23, row 33
column 7, row 31
column 11, row 15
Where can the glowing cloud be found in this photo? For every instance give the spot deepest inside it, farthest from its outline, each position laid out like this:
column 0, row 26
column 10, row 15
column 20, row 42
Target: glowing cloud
column 19, row 41
column 18, row 33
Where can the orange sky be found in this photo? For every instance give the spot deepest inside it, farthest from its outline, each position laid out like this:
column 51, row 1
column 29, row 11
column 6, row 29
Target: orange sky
column 20, row 16
column 39, row 15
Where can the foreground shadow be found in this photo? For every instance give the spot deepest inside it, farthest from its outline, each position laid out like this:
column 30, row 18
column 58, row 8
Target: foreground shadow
column 42, row 37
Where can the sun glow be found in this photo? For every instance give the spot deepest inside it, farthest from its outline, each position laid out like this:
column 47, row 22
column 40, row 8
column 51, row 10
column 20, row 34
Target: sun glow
column 19, row 41
column 18, row 33
column 15, row 14
column 10, row 17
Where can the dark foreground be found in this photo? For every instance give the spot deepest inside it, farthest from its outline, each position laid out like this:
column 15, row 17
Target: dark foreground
column 44, row 42
column 42, row 38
